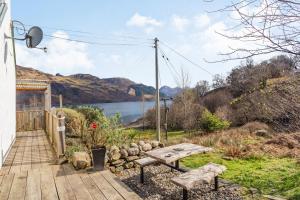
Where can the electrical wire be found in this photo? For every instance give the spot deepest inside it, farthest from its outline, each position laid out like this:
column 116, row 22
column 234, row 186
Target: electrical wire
column 190, row 61
column 95, row 43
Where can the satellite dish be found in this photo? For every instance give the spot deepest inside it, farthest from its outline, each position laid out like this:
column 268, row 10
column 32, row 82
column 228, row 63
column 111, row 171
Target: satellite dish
column 34, row 37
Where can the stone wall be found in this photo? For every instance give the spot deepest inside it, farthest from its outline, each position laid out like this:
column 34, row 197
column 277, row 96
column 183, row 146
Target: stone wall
column 120, row 158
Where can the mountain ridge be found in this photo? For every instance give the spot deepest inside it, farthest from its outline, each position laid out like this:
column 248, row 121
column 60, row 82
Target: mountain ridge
column 88, row 89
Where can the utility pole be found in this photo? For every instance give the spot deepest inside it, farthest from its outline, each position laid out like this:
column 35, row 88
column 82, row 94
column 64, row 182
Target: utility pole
column 157, row 91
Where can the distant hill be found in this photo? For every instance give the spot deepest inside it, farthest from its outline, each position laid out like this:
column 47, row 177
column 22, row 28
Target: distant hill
column 170, row 92
column 86, row 88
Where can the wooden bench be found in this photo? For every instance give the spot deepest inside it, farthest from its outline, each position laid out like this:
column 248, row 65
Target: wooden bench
column 143, row 162
column 204, row 174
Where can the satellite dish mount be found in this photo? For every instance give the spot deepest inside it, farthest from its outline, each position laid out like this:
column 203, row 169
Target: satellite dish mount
column 33, row 37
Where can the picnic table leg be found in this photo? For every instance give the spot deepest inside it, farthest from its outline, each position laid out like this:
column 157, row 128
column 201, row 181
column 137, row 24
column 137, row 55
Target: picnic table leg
column 177, row 164
column 142, row 175
column 185, row 194
column 172, row 170
column 216, row 183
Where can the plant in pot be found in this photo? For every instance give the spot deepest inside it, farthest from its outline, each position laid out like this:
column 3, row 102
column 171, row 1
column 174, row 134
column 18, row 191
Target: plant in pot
column 97, row 145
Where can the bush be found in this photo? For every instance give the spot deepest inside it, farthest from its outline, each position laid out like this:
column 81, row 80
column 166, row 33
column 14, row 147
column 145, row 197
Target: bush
column 91, row 113
column 210, row 122
column 74, row 122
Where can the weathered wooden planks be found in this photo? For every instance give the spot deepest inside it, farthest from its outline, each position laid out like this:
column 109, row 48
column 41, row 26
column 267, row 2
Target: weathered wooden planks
column 176, row 152
column 29, row 174
column 145, row 161
column 205, row 174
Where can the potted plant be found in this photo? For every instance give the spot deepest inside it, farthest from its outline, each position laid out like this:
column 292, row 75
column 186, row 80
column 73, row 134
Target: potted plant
column 98, row 148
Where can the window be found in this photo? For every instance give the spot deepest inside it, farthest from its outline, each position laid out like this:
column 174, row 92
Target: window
column 3, row 9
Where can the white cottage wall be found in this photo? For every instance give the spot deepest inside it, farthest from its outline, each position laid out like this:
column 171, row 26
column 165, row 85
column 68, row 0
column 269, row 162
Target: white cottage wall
column 7, row 85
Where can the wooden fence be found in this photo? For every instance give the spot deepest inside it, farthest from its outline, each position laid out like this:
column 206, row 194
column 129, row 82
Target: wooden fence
column 29, row 120
column 55, row 129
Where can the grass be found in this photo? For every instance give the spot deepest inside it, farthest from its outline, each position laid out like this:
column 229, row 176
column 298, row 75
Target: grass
column 150, row 134
column 274, row 176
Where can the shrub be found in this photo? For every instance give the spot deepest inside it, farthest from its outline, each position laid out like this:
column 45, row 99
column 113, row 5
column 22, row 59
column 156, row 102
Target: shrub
column 74, row 122
column 210, row 122
column 91, row 113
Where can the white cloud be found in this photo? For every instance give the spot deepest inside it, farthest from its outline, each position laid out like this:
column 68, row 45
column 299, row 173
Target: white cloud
column 180, row 23
column 202, row 21
column 62, row 56
column 142, row 21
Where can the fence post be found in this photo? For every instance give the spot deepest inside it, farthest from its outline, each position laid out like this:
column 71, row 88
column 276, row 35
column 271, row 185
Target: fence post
column 61, row 132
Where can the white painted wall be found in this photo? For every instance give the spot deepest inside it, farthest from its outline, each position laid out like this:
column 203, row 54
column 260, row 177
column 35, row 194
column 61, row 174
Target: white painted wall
column 7, row 88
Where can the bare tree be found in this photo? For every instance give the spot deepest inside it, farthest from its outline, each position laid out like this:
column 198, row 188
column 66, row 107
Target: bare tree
column 272, row 25
column 218, row 81
column 202, row 87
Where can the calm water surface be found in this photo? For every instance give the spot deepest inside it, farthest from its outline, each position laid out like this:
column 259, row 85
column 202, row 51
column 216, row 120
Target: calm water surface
column 130, row 111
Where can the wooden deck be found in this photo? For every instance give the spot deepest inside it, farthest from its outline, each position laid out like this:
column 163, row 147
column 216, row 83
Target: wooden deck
column 30, row 173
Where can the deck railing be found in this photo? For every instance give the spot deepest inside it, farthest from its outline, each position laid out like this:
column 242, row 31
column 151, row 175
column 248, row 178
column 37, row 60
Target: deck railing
column 55, row 129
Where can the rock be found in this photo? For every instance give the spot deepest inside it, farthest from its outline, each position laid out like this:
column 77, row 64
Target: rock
column 112, row 169
column 154, row 144
column 134, row 145
column 146, row 147
column 227, row 158
column 273, row 198
column 128, row 165
column 124, row 146
column 132, row 158
column 254, row 191
column 118, row 162
column 262, row 133
column 113, row 156
column 161, row 145
column 133, row 151
column 124, row 153
column 119, row 169
column 81, row 160
column 114, row 148
column 141, row 143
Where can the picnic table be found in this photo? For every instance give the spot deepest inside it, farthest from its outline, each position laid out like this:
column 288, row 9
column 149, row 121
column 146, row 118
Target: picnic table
column 169, row 155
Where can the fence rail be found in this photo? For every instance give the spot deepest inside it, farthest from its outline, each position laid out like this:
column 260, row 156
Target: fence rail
column 54, row 127
column 29, row 120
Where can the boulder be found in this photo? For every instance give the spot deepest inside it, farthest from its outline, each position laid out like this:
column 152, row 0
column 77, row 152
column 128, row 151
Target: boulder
column 154, row 144
column 81, row 160
column 124, row 153
column 113, row 156
column 146, row 147
column 112, row 169
column 119, row 169
column 141, row 143
column 134, row 145
column 118, row 162
column 133, row 151
column 128, row 165
column 132, row 158
column 114, row 148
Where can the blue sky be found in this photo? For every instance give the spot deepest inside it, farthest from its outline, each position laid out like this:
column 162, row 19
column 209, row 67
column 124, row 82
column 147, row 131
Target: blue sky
column 183, row 25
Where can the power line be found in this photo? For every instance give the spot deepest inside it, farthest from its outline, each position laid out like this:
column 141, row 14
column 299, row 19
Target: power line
column 190, row 61
column 96, row 43
column 89, row 33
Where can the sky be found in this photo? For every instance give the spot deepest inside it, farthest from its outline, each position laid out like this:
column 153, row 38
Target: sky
column 120, row 37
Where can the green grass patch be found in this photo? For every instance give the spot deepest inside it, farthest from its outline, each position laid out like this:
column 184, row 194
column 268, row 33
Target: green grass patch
column 150, row 134
column 273, row 176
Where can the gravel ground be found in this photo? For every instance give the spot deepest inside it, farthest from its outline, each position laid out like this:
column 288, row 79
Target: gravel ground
column 158, row 186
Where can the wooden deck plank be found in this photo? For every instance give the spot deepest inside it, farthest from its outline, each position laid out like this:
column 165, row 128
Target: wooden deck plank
column 33, row 189
column 48, row 185
column 63, row 187
column 77, row 185
column 26, row 162
column 125, row 191
column 6, row 186
column 108, row 191
column 18, row 188
column 92, row 187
